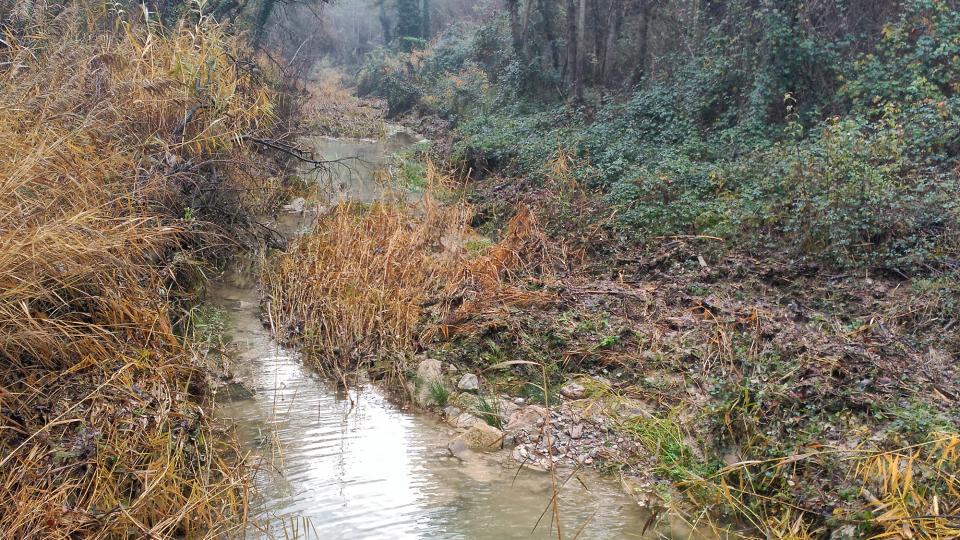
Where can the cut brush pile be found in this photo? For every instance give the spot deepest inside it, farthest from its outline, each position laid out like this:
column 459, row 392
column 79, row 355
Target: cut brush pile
column 113, row 147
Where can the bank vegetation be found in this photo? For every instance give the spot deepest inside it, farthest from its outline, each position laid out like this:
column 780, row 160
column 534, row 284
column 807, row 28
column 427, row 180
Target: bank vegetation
column 125, row 170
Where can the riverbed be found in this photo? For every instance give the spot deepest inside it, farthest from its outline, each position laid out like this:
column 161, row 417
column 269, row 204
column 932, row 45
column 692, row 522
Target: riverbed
column 332, row 463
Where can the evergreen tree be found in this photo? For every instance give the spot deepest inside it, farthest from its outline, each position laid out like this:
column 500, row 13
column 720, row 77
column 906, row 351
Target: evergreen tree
column 425, row 9
column 409, row 24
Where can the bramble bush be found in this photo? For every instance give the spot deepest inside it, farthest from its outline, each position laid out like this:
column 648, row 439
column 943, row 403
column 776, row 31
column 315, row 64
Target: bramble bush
column 849, row 196
column 708, row 145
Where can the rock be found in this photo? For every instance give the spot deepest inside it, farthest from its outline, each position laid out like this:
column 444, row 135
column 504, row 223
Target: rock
column 576, row 431
column 573, row 390
column 457, row 448
column 233, row 391
column 429, row 371
column 469, row 383
column 846, row 532
column 465, row 420
column 296, row 205
column 505, row 408
column 527, row 459
column 527, row 417
column 480, row 436
column 467, row 402
column 450, row 414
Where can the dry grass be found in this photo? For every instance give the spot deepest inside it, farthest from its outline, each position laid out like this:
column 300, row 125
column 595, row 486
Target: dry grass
column 500, row 279
column 336, row 111
column 909, row 492
column 113, row 146
column 362, row 282
column 358, row 284
column 914, row 492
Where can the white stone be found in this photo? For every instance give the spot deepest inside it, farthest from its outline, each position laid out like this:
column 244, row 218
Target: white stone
column 573, row 391
column 469, row 383
column 481, row 436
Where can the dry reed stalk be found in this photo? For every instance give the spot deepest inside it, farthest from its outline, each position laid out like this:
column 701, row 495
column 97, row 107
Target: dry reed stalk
column 357, row 284
column 497, row 280
column 107, row 141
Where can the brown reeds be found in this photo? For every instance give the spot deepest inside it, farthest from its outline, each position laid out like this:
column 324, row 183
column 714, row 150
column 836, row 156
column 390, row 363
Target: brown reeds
column 357, row 285
column 112, row 145
column 510, row 274
column 380, row 279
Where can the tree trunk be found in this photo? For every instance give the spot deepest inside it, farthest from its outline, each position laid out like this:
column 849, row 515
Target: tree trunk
column 581, row 50
column 513, row 8
column 425, row 12
column 573, row 61
column 525, row 25
column 409, row 24
column 614, row 15
column 646, row 12
column 385, row 23
column 599, row 41
column 548, row 31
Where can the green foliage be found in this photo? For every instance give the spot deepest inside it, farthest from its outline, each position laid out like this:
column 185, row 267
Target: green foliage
column 674, row 195
column 665, row 439
column 409, row 23
column 207, row 324
column 489, row 413
column 848, row 195
column 915, row 71
column 918, row 422
column 439, row 393
column 707, row 144
column 384, row 74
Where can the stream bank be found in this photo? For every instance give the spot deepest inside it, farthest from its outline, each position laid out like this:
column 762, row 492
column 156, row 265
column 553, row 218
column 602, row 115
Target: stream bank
column 335, row 463
column 689, row 366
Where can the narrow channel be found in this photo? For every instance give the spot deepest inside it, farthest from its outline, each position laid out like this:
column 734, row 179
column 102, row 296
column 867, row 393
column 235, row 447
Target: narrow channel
column 357, row 465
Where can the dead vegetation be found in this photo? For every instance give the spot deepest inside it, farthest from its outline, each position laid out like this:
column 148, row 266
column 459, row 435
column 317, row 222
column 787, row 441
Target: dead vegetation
column 338, row 112
column 792, row 401
column 356, row 287
column 121, row 155
column 763, row 395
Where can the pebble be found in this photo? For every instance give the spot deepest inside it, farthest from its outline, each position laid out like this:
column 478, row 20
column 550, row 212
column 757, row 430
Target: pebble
column 573, row 391
column 469, row 383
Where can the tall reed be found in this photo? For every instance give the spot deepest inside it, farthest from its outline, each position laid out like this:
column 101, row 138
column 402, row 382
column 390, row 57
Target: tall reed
column 116, row 148
column 357, row 285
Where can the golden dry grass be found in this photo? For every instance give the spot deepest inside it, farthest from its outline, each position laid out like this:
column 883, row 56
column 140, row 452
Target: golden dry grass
column 357, row 285
column 109, row 141
column 501, row 278
column 338, row 112
column 375, row 280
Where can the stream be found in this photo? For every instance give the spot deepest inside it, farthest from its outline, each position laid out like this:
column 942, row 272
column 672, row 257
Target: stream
column 338, row 464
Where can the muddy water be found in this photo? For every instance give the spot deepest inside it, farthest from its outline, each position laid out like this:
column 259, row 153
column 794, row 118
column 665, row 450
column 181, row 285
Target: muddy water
column 355, row 465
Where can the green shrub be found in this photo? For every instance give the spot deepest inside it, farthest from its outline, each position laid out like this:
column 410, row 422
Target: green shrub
column 914, row 70
column 387, row 75
column 439, row 393
column 673, row 195
column 848, row 196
